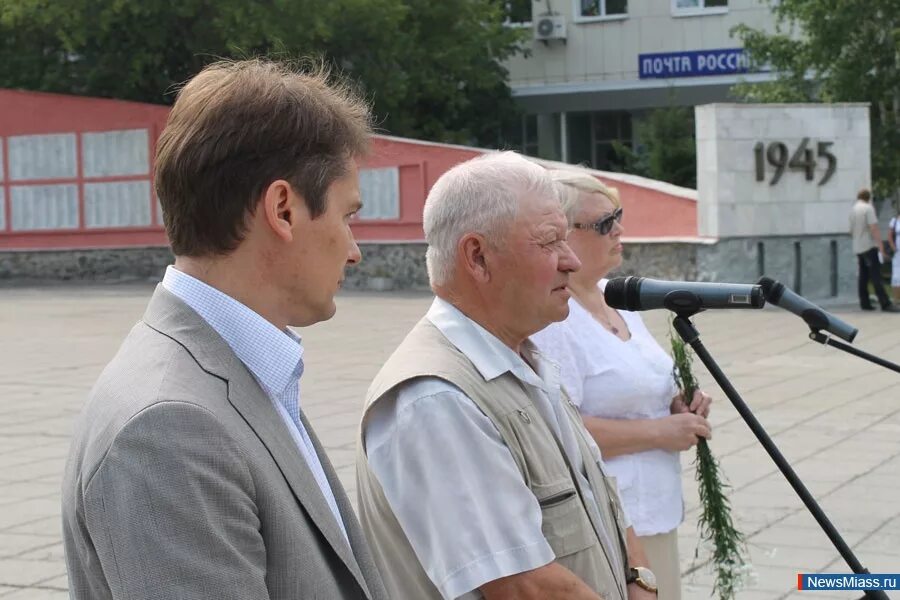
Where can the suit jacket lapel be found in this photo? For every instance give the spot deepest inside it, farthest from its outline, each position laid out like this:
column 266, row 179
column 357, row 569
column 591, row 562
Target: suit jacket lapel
column 256, row 408
column 170, row 316
column 351, row 524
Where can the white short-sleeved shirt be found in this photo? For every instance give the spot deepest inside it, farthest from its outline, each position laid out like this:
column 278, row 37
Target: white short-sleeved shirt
column 862, row 216
column 612, row 379
column 448, row 476
column 895, row 262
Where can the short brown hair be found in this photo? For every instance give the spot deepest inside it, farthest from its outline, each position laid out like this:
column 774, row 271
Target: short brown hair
column 864, row 194
column 240, row 125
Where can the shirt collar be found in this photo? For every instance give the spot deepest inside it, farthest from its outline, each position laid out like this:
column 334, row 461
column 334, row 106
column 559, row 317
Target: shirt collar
column 488, row 354
column 273, row 356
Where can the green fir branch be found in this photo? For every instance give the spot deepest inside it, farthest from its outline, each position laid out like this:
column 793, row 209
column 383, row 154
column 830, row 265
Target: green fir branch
column 715, row 522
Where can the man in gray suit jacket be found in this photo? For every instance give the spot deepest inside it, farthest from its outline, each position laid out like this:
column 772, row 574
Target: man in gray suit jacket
column 193, row 471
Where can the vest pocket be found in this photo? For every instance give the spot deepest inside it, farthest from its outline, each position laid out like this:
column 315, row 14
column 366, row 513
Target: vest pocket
column 565, row 524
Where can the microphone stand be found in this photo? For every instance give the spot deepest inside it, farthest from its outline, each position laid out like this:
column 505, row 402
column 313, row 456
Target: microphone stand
column 691, row 336
column 818, row 321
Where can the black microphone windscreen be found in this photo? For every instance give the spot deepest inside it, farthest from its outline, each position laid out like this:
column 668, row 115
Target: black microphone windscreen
column 615, row 292
column 772, row 290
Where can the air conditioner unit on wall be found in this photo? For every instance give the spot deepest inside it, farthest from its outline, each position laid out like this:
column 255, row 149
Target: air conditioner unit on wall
column 549, row 27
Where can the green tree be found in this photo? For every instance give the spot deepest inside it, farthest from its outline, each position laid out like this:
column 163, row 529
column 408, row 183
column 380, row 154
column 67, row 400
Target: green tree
column 432, row 70
column 666, row 149
column 836, row 51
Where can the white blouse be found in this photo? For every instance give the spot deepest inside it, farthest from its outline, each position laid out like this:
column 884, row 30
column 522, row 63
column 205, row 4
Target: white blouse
column 609, row 378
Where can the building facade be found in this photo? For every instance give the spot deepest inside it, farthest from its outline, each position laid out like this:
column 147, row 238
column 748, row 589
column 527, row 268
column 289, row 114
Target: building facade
column 593, row 68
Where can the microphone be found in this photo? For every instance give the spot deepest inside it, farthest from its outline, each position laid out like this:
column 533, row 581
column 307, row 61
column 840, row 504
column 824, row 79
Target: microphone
column 780, row 295
column 641, row 293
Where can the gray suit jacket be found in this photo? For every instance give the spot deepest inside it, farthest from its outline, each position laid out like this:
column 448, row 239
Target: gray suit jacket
column 183, row 481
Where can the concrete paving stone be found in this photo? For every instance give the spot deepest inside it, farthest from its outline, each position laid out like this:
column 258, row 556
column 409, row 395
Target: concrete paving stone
column 742, row 499
column 875, row 563
column 36, row 593
column 321, row 410
column 880, row 509
column 689, row 554
column 829, row 412
column 18, row 572
column 884, row 540
column 44, row 526
column 15, row 545
column 60, row 582
column 816, row 595
column 51, row 552
column 747, row 467
column 700, row 583
column 773, row 579
column 840, row 469
column 805, row 559
column 54, row 449
column 338, row 420
column 347, row 475
column 784, row 536
column 852, row 530
column 28, row 510
column 14, row 459
column 57, row 479
column 342, row 457
column 34, row 470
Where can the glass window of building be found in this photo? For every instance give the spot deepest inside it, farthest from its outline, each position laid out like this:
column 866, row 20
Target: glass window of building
column 523, row 137
column 698, row 7
column 602, row 8
column 592, row 138
column 609, row 128
column 518, row 12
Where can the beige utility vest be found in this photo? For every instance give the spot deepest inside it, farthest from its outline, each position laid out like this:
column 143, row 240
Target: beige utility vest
column 568, row 524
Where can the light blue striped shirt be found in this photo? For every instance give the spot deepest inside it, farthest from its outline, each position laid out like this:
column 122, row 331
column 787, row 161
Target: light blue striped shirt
column 273, row 356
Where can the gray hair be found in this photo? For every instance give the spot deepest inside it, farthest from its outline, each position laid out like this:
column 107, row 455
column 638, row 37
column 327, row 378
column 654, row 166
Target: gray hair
column 571, row 184
column 481, row 195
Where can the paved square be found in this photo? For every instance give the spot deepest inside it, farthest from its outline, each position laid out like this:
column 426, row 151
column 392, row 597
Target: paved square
column 835, row 417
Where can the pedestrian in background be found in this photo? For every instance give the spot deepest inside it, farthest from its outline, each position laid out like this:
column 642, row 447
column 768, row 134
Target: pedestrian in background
column 867, row 245
column 893, row 242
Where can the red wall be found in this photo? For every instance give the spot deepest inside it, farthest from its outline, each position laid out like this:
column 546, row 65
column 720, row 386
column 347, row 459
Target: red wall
column 420, row 165
column 652, row 213
column 32, row 113
column 649, row 212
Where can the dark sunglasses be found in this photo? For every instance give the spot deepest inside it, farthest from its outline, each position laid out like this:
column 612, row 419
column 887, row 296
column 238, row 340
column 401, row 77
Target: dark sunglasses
column 604, row 225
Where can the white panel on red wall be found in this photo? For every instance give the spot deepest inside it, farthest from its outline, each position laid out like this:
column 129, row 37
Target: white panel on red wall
column 114, row 153
column 117, row 204
column 380, row 191
column 2, row 208
column 44, row 207
column 42, row 157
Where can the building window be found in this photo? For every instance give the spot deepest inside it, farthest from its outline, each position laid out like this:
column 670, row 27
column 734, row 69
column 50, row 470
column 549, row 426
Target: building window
column 529, row 139
column 380, row 192
column 598, row 9
column 522, row 135
column 609, row 127
column 699, row 7
column 518, row 12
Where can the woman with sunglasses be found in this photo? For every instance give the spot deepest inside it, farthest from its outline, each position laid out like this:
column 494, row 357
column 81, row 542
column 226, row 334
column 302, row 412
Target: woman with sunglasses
column 621, row 380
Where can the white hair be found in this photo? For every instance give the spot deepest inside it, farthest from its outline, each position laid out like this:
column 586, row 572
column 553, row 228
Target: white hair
column 481, row 195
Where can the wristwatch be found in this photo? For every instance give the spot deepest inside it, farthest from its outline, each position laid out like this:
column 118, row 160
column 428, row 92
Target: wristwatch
column 642, row 576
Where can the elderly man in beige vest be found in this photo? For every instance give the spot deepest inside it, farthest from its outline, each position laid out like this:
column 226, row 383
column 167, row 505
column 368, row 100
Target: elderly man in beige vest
column 476, row 476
